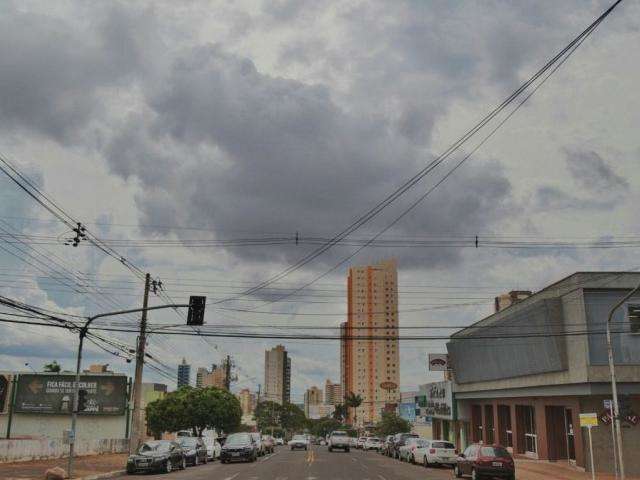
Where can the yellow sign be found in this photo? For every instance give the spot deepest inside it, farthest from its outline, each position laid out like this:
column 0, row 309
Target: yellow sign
column 588, row 419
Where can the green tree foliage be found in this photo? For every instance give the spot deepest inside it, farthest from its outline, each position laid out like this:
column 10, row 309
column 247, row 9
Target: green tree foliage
column 271, row 414
column 390, row 424
column 324, row 426
column 194, row 409
column 340, row 412
column 353, row 401
column 54, row 367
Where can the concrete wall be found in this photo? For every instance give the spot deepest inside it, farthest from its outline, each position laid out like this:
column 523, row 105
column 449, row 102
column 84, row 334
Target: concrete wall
column 18, row 450
column 89, row 427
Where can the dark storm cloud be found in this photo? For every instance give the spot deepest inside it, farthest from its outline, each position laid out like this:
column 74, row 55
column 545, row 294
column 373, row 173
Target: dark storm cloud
column 591, row 172
column 238, row 151
column 53, row 69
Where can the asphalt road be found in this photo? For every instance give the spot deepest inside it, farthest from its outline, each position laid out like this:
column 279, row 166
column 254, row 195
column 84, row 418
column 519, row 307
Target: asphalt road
column 315, row 464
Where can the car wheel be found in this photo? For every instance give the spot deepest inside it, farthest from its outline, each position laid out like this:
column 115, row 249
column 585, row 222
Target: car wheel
column 426, row 462
column 412, row 460
column 346, row 450
column 206, row 459
column 475, row 475
column 168, row 467
column 183, row 464
column 457, row 472
column 130, row 471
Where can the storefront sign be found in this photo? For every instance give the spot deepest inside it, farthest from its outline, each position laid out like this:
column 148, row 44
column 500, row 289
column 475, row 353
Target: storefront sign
column 438, row 362
column 439, row 400
column 588, row 419
column 106, row 395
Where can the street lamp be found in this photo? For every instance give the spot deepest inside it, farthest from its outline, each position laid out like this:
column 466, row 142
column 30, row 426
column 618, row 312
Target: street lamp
column 83, row 333
column 614, row 389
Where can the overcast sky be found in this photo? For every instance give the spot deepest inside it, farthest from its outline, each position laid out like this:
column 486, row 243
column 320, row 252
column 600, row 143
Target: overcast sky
column 215, row 119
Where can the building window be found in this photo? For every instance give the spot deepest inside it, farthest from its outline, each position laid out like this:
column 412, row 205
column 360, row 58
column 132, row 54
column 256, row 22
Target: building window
column 633, row 312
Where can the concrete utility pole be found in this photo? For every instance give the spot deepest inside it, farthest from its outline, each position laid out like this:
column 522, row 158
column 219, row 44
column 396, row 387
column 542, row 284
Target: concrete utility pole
column 227, row 374
column 136, row 430
column 614, row 388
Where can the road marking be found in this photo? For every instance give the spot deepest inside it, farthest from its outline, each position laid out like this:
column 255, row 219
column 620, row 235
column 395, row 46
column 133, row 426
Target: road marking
column 232, row 477
column 381, row 477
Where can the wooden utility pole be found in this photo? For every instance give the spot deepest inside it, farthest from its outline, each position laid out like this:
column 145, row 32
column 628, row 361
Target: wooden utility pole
column 137, row 420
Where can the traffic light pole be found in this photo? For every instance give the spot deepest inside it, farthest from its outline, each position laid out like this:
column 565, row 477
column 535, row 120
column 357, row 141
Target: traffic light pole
column 83, row 333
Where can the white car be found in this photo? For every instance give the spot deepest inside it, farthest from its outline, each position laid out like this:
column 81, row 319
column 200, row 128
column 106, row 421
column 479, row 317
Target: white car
column 279, row 441
column 360, row 442
column 299, row 441
column 372, row 443
column 436, row 452
column 407, row 452
column 213, row 447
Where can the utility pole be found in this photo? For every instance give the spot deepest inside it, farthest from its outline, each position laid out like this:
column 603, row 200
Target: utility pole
column 136, row 431
column 227, row 374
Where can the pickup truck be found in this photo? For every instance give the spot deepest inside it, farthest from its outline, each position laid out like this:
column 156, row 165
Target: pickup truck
column 339, row 440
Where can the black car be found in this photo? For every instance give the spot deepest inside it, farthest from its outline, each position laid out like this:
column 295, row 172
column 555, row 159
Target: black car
column 399, row 440
column 239, row 447
column 195, row 451
column 157, row 456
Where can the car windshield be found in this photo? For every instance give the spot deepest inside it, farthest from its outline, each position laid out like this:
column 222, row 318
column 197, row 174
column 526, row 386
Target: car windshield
column 442, row 445
column 238, row 439
column 158, row 447
column 494, row 452
column 188, row 441
column 339, row 434
column 299, row 437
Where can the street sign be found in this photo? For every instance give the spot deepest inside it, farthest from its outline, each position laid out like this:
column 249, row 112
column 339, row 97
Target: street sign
column 588, row 419
column 608, row 404
column 68, row 436
column 438, row 362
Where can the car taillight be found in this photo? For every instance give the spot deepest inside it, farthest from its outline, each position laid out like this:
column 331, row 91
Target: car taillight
column 413, row 449
column 432, row 450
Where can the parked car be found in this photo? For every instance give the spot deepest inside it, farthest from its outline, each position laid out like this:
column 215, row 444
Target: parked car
column 279, row 441
column 360, row 442
column 399, row 440
column 269, row 443
column 339, row 440
column 299, row 441
column 239, row 447
column 195, row 451
column 436, row 452
column 372, row 443
column 410, row 447
column 482, row 461
column 213, row 447
column 257, row 439
column 157, row 456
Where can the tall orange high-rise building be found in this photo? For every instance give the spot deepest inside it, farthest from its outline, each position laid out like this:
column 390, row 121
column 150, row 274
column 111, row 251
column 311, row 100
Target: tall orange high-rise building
column 371, row 367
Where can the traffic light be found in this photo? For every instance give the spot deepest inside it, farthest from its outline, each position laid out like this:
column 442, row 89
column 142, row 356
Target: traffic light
column 82, row 399
column 196, row 310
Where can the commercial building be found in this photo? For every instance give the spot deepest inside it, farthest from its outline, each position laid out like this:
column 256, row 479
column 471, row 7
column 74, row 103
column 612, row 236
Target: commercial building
column 277, row 375
column 332, row 393
column 407, row 406
column 247, row 401
column 524, row 374
column 200, row 373
column 434, row 404
column 184, row 374
column 214, row 378
column 371, row 368
column 313, row 396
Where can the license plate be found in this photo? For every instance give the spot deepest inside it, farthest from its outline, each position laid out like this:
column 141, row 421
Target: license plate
column 496, row 464
column 235, row 454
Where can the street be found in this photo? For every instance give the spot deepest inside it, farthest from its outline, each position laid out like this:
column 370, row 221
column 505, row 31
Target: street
column 315, row 464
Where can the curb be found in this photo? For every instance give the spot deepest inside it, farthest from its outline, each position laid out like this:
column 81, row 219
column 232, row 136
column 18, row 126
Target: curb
column 100, row 476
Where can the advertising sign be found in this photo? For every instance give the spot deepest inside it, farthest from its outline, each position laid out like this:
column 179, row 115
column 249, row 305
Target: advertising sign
column 407, row 411
column 106, row 395
column 438, row 400
column 588, row 419
column 4, row 392
column 438, row 362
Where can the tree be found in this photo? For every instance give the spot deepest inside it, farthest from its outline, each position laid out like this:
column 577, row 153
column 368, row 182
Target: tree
column 292, row 418
column 194, row 409
column 390, row 424
column 53, row 367
column 340, row 412
column 324, row 426
column 353, row 401
column 267, row 414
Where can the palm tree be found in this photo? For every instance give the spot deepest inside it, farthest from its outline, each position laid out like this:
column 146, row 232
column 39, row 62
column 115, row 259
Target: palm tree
column 340, row 412
column 353, row 401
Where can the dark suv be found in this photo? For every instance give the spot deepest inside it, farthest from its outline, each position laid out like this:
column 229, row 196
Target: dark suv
column 398, row 441
column 485, row 461
column 239, row 447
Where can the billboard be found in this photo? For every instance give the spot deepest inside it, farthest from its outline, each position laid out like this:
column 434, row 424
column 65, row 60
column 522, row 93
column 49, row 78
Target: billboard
column 407, row 411
column 438, row 400
column 53, row 394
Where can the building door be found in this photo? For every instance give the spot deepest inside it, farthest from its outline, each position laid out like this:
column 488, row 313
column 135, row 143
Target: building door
column 556, row 432
column 526, row 417
column 488, row 420
column 476, row 423
column 505, row 435
column 571, row 446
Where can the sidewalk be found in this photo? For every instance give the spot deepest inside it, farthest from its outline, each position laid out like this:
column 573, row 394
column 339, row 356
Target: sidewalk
column 85, row 466
column 538, row 470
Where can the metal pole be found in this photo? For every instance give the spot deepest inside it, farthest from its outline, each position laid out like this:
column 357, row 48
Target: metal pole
column 12, row 401
column 74, row 409
column 613, row 441
column 593, row 468
column 614, row 388
column 136, row 428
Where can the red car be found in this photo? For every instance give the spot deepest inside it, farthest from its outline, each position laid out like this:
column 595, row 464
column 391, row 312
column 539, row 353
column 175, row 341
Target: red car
column 485, row 461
